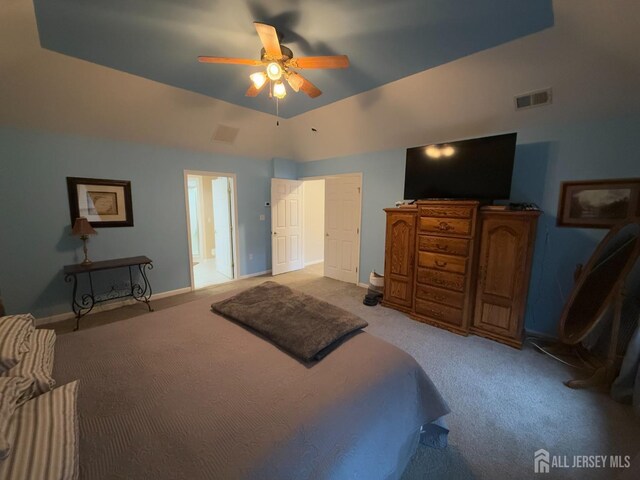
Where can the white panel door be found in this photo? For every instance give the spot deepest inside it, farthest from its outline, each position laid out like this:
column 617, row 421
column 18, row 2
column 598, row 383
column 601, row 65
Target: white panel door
column 286, row 225
column 222, row 225
column 342, row 228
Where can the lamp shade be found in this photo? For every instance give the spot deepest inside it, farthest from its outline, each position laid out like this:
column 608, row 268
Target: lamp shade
column 258, row 79
column 278, row 90
column 274, row 71
column 82, row 227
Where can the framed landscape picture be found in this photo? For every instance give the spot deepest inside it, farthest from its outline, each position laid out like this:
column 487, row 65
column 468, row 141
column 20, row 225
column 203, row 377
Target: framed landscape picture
column 598, row 203
column 105, row 203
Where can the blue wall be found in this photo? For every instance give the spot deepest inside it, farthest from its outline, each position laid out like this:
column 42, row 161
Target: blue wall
column 284, row 168
column 35, row 224
column 35, row 241
column 544, row 158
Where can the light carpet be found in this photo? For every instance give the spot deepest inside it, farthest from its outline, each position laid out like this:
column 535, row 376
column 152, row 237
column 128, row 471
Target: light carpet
column 505, row 403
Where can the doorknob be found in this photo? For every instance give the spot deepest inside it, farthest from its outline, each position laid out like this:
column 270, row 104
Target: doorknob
column 326, row 234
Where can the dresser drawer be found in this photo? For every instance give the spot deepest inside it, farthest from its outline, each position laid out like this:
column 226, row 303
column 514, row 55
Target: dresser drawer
column 439, row 295
column 450, row 246
column 445, row 211
column 452, row 281
column 439, row 312
column 448, row 263
column 449, row 226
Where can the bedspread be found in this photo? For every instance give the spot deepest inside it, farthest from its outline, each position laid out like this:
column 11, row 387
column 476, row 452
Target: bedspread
column 184, row 393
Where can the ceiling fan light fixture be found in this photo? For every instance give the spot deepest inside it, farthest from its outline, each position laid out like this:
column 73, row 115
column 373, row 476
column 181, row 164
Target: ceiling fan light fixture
column 279, row 91
column 277, row 62
column 258, row 79
column 274, row 71
column 295, row 81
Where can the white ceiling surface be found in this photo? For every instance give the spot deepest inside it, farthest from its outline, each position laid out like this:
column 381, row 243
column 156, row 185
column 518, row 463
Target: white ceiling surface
column 590, row 58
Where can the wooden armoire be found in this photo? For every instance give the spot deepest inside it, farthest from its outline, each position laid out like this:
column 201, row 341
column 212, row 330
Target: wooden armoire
column 459, row 266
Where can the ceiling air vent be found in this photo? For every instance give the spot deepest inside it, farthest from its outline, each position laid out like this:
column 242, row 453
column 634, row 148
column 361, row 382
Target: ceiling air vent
column 533, row 99
column 225, row 134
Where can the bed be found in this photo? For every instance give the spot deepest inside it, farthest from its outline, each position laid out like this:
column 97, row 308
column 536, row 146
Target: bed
column 186, row 393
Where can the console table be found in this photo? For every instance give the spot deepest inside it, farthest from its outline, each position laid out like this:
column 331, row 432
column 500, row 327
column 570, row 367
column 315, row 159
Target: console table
column 82, row 304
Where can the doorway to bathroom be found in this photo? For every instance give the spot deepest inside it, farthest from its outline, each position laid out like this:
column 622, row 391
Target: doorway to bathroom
column 211, row 220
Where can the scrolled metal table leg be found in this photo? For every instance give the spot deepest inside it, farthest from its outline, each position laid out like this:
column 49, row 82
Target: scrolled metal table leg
column 86, row 301
column 142, row 293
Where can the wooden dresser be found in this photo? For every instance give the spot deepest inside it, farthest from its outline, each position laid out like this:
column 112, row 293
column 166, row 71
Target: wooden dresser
column 432, row 260
column 446, row 232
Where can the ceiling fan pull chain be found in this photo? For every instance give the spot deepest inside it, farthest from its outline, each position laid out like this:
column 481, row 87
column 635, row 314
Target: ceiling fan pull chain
column 277, row 113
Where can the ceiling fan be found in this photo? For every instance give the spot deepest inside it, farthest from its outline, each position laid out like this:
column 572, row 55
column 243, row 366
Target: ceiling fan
column 279, row 62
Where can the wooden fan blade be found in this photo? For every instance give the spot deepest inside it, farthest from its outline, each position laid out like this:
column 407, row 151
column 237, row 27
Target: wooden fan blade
column 252, row 91
column 231, row 61
column 335, row 61
column 309, row 88
column 295, row 81
column 269, row 38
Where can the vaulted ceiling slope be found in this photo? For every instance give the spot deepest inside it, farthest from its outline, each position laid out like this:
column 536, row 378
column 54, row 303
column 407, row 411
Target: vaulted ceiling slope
column 385, row 40
column 590, row 58
column 41, row 89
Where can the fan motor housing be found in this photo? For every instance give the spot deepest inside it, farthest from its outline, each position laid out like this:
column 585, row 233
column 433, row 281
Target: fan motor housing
column 287, row 54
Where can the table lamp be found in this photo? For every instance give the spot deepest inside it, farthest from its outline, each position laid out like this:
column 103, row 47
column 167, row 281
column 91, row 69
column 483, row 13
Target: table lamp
column 82, row 228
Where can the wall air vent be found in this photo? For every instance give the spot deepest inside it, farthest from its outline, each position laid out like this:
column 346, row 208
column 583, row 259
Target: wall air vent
column 225, row 134
column 533, row 99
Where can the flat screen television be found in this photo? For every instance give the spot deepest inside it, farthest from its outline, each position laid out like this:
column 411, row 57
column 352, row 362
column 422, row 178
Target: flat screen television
column 480, row 168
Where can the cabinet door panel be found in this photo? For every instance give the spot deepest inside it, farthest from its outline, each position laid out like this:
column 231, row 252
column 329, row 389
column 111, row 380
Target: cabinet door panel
column 502, row 270
column 400, row 291
column 399, row 258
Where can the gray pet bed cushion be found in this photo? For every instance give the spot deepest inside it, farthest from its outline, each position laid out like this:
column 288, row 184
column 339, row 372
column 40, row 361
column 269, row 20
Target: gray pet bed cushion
column 300, row 324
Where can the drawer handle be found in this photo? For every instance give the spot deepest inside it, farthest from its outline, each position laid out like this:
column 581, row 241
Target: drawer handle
column 434, row 313
column 438, row 297
column 444, row 248
column 444, row 226
column 441, row 264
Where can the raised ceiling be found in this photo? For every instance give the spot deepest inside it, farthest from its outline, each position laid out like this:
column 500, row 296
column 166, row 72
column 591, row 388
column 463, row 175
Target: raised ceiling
column 589, row 57
column 385, row 40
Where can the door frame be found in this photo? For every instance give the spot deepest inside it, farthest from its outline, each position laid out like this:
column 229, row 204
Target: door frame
column 359, row 240
column 234, row 220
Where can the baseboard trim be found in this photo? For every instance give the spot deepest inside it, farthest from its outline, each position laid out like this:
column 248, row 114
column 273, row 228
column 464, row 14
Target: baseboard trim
column 363, row 285
column 315, row 262
column 171, row 293
column 104, row 307
column 544, row 336
column 257, row 274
